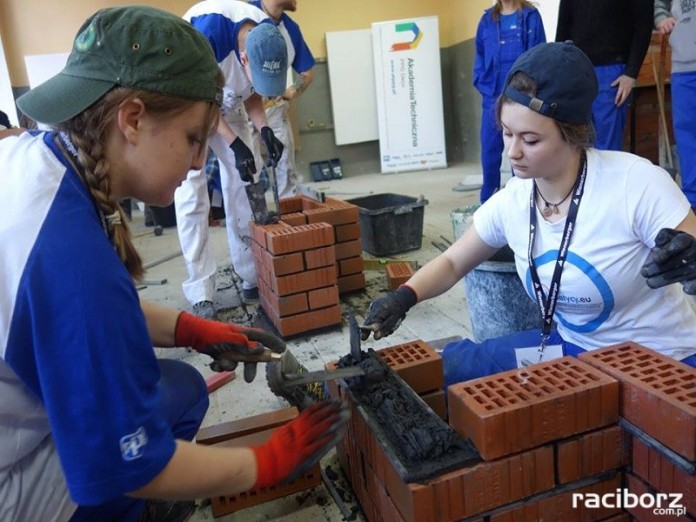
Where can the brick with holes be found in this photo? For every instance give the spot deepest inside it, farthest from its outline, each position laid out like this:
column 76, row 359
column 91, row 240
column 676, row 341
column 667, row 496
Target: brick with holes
column 398, row 274
column 520, row 409
column 658, row 394
column 416, row 363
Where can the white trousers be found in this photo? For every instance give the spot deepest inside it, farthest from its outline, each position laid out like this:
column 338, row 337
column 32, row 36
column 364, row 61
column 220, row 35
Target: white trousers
column 193, row 206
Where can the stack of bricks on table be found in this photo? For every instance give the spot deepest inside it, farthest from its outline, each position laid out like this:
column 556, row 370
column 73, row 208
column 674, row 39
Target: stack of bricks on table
column 305, row 261
column 251, row 431
column 545, row 433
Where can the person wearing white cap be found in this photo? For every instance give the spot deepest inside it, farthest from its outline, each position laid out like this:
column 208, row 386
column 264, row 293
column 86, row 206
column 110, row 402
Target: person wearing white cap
column 252, row 55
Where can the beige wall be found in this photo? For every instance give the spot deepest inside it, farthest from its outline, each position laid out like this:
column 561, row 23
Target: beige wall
column 40, row 27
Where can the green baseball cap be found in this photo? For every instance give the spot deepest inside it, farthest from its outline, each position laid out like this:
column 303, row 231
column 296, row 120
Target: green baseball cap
column 135, row 46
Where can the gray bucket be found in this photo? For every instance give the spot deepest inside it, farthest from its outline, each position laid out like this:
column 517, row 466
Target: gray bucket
column 498, row 304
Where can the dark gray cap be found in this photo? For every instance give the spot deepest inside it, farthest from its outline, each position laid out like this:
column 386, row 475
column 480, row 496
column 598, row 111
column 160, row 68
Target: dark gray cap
column 565, row 78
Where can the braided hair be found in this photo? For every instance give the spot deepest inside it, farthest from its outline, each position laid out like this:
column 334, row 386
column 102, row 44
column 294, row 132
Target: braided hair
column 88, row 132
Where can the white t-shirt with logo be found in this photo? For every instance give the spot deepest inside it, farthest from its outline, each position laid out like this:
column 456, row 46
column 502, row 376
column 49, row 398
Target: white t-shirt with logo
column 603, row 298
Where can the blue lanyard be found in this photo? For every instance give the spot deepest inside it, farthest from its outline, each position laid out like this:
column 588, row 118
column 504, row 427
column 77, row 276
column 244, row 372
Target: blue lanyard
column 547, row 304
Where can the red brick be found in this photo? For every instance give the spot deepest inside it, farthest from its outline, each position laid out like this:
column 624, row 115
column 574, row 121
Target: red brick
column 437, row 402
column 282, row 264
column 309, row 204
column 304, row 281
column 284, row 240
column 319, row 257
column 658, row 394
column 260, row 232
column 283, row 305
column 658, row 471
column 353, row 265
column 350, row 283
column 642, row 514
column 323, row 297
column 560, row 506
column 520, row 409
column 308, row 321
column 592, row 453
column 218, row 380
column 490, row 485
column 294, row 219
column 347, row 232
column 348, row 249
column 416, row 363
column 398, row 274
column 291, row 205
column 332, row 215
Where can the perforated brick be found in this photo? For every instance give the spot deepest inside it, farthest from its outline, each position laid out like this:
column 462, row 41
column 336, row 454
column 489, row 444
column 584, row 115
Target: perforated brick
column 560, row 506
column 294, row 219
column 348, row 249
column 592, row 453
column 283, row 305
column 319, row 257
column 304, row 281
column 398, row 274
column 658, row 394
column 640, row 513
column 245, row 426
column 323, row 297
column 347, row 232
column 280, row 265
column 259, row 232
column 520, row 409
column 283, row 240
column 306, row 321
column 416, row 363
column 290, row 205
column 658, row 471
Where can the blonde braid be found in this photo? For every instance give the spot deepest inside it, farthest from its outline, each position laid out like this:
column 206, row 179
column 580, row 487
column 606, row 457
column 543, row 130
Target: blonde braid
column 96, row 169
column 87, row 131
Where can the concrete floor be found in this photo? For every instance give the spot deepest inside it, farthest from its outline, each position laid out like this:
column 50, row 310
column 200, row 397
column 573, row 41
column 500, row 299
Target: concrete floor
column 442, row 317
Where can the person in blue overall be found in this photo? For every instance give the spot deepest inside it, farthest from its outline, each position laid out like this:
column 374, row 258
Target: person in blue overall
column 95, row 427
column 504, row 32
column 678, row 20
column 579, row 249
column 615, row 34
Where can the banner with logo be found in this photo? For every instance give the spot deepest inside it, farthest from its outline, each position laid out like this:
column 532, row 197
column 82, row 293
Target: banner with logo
column 409, row 94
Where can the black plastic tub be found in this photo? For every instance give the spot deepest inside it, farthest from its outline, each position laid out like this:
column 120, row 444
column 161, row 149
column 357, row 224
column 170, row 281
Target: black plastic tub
column 390, row 223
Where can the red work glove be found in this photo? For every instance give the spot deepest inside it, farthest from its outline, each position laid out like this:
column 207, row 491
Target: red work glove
column 296, row 447
column 226, row 343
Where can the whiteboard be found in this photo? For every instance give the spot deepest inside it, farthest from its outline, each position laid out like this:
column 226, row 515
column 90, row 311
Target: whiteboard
column 352, row 83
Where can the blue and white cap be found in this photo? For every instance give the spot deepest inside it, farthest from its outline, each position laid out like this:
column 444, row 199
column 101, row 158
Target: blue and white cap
column 268, row 59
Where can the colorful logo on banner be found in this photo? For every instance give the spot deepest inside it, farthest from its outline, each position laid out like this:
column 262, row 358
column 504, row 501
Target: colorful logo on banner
column 417, row 37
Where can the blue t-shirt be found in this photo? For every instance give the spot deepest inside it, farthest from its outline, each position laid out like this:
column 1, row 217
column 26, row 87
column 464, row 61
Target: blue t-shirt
column 76, row 358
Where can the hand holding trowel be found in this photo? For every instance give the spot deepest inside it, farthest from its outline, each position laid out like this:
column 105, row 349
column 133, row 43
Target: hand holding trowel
column 263, row 215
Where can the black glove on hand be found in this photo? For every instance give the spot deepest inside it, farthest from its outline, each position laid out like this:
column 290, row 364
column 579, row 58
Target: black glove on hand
column 243, row 160
column 273, row 145
column 672, row 260
column 387, row 312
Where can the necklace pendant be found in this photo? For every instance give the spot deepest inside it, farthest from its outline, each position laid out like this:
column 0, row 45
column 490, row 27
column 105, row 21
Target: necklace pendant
column 548, row 210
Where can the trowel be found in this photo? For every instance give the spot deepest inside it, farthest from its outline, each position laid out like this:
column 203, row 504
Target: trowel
column 263, row 215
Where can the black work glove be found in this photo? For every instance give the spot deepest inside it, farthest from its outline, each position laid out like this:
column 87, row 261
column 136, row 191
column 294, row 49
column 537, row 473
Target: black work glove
column 243, row 160
column 672, row 260
column 228, row 344
column 387, row 312
column 273, row 145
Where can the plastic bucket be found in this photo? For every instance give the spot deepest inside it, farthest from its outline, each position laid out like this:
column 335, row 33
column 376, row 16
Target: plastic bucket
column 498, row 303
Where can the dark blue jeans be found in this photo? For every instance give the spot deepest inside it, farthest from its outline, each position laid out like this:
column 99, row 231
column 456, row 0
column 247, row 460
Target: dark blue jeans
column 184, row 403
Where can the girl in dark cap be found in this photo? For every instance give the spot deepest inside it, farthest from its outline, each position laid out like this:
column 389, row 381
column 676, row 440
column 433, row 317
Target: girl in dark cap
column 583, row 225
column 91, row 421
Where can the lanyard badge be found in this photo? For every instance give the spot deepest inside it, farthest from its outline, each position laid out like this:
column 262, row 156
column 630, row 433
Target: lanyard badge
column 547, row 304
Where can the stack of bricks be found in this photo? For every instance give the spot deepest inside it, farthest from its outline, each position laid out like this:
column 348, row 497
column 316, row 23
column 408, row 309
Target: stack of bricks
column 658, row 402
column 252, row 431
column 305, row 261
column 344, row 217
column 544, row 433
